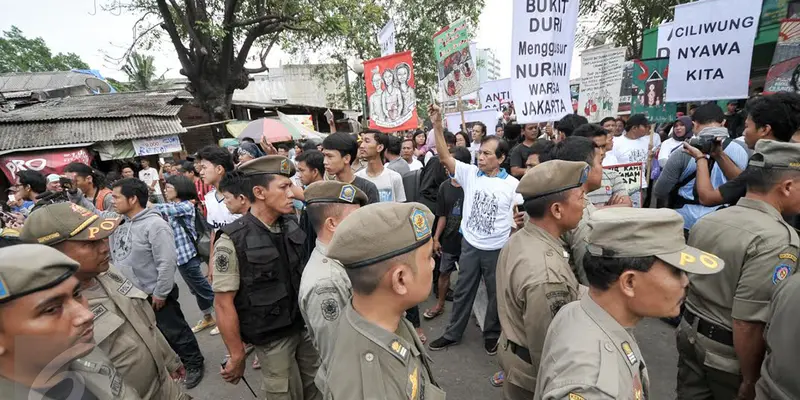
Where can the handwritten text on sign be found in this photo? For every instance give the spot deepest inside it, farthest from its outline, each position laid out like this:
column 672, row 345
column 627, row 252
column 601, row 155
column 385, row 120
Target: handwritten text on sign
column 542, row 39
column 631, row 175
column 166, row 144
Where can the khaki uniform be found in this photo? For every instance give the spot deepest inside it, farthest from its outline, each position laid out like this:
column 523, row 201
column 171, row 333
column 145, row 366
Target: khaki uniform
column 325, row 292
column 125, row 329
column 575, row 242
column 372, row 363
column 589, row 355
column 779, row 370
column 760, row 250
column 534, row 281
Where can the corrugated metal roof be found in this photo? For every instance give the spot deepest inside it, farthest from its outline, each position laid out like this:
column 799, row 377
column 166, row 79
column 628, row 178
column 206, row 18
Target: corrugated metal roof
column 26, row 135
column 115, row 105
column 14, row 82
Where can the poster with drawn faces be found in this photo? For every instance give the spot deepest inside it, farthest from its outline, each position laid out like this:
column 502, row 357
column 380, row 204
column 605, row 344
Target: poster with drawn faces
column 390, row 92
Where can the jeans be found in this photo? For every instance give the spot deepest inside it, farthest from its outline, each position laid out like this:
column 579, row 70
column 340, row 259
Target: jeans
column 176, row 330
column 198, row 284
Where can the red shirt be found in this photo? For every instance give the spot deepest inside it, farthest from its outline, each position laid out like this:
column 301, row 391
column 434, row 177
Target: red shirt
column 202, row 189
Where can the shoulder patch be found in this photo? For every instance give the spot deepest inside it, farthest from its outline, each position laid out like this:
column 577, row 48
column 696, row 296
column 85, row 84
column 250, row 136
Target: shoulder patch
column 788, row 256
column 399, row 349
column 573, row 396
column 98, row 311
column 222, row 259
column 781, row 272
column 557, row 299
column 324, row 289
column 626, row 348
column 330, row 309
column 114, row 277
column 125, row 287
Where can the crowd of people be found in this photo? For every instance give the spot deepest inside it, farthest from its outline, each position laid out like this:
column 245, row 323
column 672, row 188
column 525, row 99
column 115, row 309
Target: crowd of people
column 318, row 256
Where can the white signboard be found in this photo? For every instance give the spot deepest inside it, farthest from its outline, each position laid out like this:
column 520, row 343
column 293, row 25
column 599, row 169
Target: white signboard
column 495, row 94
column 386, row 39
column 542, row 40
column 488, row 117
column 711, row 49
column 160, row 145
column 664, row 38
column 601, row 79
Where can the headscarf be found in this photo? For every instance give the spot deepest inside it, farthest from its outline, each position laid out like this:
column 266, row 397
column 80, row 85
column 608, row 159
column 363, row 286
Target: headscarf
column 687, row 122
column 251, row 148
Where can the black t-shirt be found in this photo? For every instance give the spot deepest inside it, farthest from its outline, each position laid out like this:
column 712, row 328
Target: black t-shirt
column 734, row 189
column 367, row 187
column 450, row 203
column 431, row 177
column 519, row 155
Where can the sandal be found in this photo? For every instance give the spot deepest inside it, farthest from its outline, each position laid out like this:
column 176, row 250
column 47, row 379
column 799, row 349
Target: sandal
column 497, row 379
column 430, row 314
column 422, row 338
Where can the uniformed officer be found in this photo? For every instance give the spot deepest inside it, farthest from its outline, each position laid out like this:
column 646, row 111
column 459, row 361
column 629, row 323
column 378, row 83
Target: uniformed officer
column 47, row 349
column 779, row 370
column 636, row 264
column 124, row 322
column 720, row 340
column 257, row 270
column 386, row 249
column 325, row 289
column 534, row 279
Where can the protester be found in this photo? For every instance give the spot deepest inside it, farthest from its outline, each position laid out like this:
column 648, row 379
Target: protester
column 212, row 163
column 635, row 146
column 734, row 120
column 187, row 169
column 568, row 124
column 682, row 130
column 388, row 182
column 128, row 171
column 500, row 130
column 54, row 183
column 30, row 184
column 612, row 191
column 461, row 139
column 392, row 150
column 609, row 124
column 407, row 153
column 519, row 155
column 340, row 150
column 150, row 176
column 540, row 152
column 91, row 183
column 620, row 127
column 249, row 151
column 310, row 167
column 420, row 139
column 234, row 187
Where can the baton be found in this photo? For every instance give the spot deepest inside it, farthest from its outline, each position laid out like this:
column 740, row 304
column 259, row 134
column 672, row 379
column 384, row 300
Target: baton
column 225, row 361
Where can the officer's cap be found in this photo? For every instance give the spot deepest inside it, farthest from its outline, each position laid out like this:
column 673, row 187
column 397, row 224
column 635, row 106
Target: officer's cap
column 334, row 192
column 58, row 222
column 379, row 232
column 644, row 232
column 552, row 177
column 275, row 165
column 30, row 268
column 776, row 155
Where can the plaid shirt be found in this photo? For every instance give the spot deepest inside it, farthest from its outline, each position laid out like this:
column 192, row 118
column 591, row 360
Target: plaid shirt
column 185, row 211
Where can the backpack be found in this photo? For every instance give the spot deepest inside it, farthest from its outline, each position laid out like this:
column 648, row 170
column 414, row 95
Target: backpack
column 201, row 242
column 675, row 200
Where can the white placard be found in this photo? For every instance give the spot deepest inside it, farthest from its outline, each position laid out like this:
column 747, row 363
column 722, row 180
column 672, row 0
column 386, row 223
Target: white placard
column 159, row 145
column 495, row 94
column 386, row 39
column 542, row 40
column 601, row 79
column 664, row 38
column 711, row 50
column 488, row 117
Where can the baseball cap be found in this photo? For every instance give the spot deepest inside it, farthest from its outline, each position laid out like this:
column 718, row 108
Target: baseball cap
column 58, row 222
column 53, row 178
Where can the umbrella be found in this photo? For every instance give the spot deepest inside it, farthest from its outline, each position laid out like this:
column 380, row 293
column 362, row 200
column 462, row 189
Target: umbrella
column 282, row 129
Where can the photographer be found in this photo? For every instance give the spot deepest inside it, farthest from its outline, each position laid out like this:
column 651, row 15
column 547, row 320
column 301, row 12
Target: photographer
column 91, row 183
column 774, row 117
column 676, row 184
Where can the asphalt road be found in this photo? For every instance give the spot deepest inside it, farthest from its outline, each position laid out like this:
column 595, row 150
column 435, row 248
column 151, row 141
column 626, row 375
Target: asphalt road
column 463, row 370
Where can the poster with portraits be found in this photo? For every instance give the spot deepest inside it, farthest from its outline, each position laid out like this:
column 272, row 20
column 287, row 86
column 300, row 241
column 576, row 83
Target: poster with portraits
column 455, row 61
column 391, row 100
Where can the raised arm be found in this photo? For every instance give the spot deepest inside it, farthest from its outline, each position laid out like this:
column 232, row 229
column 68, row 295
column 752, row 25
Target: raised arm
column 435, row 113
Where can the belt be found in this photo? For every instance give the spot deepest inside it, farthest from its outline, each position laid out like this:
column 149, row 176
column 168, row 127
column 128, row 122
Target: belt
column 521, row 352
column 715, row 332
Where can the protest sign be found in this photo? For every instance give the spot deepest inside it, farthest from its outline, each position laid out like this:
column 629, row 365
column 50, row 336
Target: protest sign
column 649, row 82
column 495, row 94
column 542, row 40
column 46, row 162
column 386, row 39
column 711, row 49
column 601, row 79
column 488, row 117
column 160, row 145
column 455, row 61
column 626, row 88
column 786, row 60
column 632, row 176
column 664, row 38
column 390, row 92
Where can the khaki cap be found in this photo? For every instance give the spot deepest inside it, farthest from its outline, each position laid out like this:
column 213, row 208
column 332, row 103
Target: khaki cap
column 275, row 165
column 334, row 192
column 58, row 222
column 645, row 232
column 30, row 268
column 380, row 231
column 779, row 155
column 551, row 177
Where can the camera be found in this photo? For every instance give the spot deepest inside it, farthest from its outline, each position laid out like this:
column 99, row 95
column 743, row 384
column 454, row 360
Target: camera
column 703, row 143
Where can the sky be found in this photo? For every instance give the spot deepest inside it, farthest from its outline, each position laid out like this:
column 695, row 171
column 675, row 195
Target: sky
column 81, row 27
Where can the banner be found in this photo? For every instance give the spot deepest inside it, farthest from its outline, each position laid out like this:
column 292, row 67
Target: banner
column 648, row 97
column 386, row 39
column 664, row 38
column 711, row 49
column 773, row 11
column 165, row 144
column 495, row 94
column 455, row 61
column 46, row 162
column 625, row 89
column 601, row 79
column 632, row 175
column 390, row 92
column 786, row 60
column 488, row 117
column 542, row 40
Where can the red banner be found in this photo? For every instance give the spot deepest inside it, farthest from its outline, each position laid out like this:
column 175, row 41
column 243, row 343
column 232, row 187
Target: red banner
column 390, row 92
column 46, row 162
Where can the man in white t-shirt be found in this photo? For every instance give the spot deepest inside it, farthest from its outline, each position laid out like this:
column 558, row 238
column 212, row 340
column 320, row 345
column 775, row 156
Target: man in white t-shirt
column 212, row 164
column 388, row 182
column 634, row 147
column 487, row 219
column 149, row 176
column 407, row 153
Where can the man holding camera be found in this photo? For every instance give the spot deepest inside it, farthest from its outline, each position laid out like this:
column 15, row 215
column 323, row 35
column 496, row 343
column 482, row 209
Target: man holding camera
column 676, row 184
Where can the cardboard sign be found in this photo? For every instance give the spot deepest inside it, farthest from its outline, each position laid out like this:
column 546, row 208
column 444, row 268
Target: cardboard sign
column 386, row 39
column 390, row 92
column 455, row 61
column 488, row 117
column 632, row 175
column 601, row 78
column 495, row 94
column 649, row 83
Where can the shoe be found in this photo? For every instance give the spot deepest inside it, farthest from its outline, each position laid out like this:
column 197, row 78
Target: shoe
column 441, row 343
column 215, row 331
column 449, row 295
column 256, row 363
column 203, row 324
column 491, row 346
column 193, row 377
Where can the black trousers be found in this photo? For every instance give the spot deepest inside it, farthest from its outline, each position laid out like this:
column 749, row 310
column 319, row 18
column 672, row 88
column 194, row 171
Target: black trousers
column 176, row 330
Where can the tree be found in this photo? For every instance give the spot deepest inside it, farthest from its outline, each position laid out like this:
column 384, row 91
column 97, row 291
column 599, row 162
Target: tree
column 20, row 54
column 624, row 21
column 141, row 72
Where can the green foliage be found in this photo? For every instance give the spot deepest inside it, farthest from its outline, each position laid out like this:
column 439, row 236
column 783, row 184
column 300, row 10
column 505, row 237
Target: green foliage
column 21, row 54
column 141, row 72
